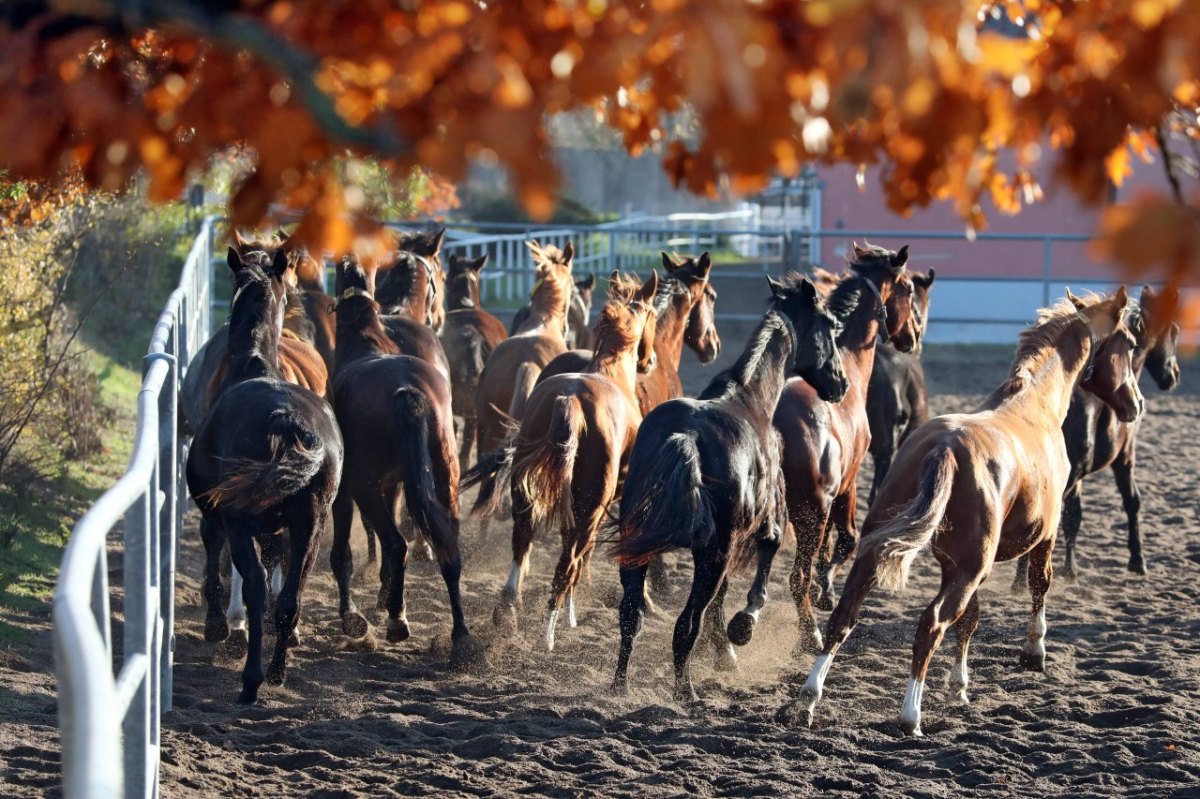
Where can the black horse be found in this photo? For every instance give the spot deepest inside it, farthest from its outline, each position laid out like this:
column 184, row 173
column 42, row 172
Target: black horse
column 394, row 412
column 1096, row 439
column 579, row 331
column 267, row 456
column 704, row 474
column 897, row 399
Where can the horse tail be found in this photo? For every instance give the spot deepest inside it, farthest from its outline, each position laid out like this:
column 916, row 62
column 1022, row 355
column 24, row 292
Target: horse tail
column 489, row 473
column 542, row 474
column 527, row 375
column 414, row 416
column 898, row 542
column 297, row 455
column 664, row 505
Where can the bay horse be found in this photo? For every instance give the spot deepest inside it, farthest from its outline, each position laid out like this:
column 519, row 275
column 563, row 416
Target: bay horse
column 986, row 486
column 512, row 369
column 685, row 306
column 394, row 413
column 268, row 455
column 897, row 399
column 704, row 475
column 470, row 335
column 316, row 303
column 410, row 295
column 1097, row 439
column 566, row 462
column 579, row 314
column 824, row 443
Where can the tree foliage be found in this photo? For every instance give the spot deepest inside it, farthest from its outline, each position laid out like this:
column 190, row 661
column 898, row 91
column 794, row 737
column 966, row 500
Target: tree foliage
column 934, row 91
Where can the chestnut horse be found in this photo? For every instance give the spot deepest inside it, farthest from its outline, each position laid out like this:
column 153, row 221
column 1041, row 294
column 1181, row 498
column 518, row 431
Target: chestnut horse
column 268, row 455
column 569, row 456
column 468, row 338
column 984, row 487
column 897, row 400
column 394, row 412
column 704, row 474
column 511, row 371
column 579, row 332
column 823, row 442
column 1096, row 438
column 685, row 306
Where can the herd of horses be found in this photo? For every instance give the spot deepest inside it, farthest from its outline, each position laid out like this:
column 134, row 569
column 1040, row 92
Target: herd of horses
column 306, row 406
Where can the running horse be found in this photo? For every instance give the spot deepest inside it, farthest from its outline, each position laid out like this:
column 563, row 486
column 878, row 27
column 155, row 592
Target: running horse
column 411, row 287
column 470, row 335
column 984, row 487
column 268, row 455
column 1096, row 438
column 513, row 367
column 579, row 333
column 704, row 475
column 566, row 462
column 897, row 399
column 394, row 413
column 824, row 443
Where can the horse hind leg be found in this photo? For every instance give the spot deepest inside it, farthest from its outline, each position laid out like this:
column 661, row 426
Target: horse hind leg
column 964, row 629
column 741, row 627
column 1072, row 520
column 341, row 560
column 633, row 581
column 724, row 655
column 1131, row 499
column 710, row 571
column 305, row 520
column 377, row 508
column 948, row 607
column 1041, row 573
column 245, row 559
column 810, row 524
column 216, row 625
column 844, row 543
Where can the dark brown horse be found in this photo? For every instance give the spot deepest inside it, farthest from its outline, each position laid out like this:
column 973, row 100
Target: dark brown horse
column 394, row 412
column 511, row 371
column 569, row 456
column 824, row 442
column 984, row 487
column 317, row 305
column 470, row 335
column 410, row 295
column 1096, row 438
column 897, row 400
column 267, row 456
column 704, row 475
column 685, row 306
column 579, row 331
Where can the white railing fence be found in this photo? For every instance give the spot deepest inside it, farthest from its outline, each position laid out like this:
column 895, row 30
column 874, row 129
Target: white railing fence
column 110, row 725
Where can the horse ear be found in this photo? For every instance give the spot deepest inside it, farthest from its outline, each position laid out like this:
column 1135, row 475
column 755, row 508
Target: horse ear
column 777, row 289
column 280, row 264
column 234, row 260
column 1122, row 298
column 669, row 264
column 438, row 238
column 858, row 250
column 569, row 252
column 649, row 288
column 808, row 289
column 238, row 241
column 479, row 262
column 1078, row 303
column 900, row 258
column 704, row 265
column 588, row 283
column 932, row 276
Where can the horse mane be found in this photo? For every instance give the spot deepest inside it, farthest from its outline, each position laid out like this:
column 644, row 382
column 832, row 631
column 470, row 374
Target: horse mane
column 1038, row 340
column 614, row 331
column 742, row 372
column 552, row 291
column 400, row 280
column 668, row 288
column 420, row 242
column 296, row 318
column 262, row 338
column 621, row 288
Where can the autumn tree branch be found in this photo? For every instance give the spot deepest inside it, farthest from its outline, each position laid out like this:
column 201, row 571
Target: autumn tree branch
column 1168, row 166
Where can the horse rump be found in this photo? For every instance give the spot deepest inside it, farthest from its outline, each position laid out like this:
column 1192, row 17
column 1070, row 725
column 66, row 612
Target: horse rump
column 898, row 542
column 663, row 506
column 415, row 414
column 542, row 471
column 297, row 455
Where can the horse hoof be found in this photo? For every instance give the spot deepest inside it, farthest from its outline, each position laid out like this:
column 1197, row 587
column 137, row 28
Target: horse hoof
column 741, row 628
column 1033, row 661
column 962, row 696
column 216, row 630
column 619, row 687
column 248, row 696
column 1137, row 566
column 354, row 624
column 275, row 676
column 293, row 639
column 397, row 630
column 466, row 652
column 685, row 694
column 504, row 618
column 824, row 602
column 911, row 728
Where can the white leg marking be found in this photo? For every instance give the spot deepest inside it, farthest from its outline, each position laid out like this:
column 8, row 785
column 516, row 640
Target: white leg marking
column 513, row 586
column 910, row 714
column 571, row 610
column 551, row 623
column 236, row 615
column 1036, row 645
column 277, row 581
column 959, row 676
column 815, row 685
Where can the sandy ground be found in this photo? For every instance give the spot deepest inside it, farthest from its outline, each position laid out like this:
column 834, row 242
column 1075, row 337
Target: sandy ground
column 1117, row 712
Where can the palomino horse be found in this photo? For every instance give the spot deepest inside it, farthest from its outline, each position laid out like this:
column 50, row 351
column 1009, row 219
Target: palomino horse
column 568, row 458
column 468, row 338
column 685, row 307
column 824, row 442
column 704, row 474
column 897, row 400
column 514, row 365
column 267, row 456
column 579, row 332
column 394, row 412
column 1096, row 438
column 984, row 487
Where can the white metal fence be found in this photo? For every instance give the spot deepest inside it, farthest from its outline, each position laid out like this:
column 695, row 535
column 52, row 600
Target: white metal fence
column 110, row 725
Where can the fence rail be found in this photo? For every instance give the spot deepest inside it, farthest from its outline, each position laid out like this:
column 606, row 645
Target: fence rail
column 110, row 725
